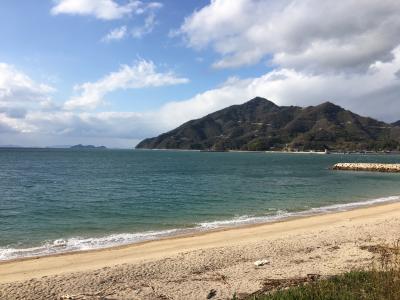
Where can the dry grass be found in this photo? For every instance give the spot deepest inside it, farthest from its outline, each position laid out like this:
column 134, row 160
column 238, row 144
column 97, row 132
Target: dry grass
column 381, row 281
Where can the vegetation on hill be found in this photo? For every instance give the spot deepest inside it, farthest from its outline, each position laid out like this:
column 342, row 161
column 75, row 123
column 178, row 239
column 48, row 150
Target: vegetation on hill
column 260, row 125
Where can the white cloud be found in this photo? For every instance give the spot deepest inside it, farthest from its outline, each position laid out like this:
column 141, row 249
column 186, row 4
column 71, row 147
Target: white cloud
column 17, row 86
column 18, row 93
column 374, row 93
column 116, row 34
column 148, row 26
column 361, row 93
column 141, row 75
column 137, row 32
column 149, row 22
column 102, row 9
column 310, row 35
column 112, row 10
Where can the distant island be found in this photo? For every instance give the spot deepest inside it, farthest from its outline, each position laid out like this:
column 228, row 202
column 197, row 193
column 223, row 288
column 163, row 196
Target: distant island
column 261, row 125
column 10, row 146
column 80, row 146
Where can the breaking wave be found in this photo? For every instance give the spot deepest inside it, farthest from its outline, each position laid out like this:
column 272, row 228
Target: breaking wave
column 87, row 243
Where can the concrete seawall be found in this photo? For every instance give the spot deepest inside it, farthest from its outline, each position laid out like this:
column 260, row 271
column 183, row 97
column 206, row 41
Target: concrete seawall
column 393, row 168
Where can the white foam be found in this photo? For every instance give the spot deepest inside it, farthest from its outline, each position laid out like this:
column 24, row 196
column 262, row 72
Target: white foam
column 281, row 214
column 244, row 220
column 84, row 243
column 347, row 206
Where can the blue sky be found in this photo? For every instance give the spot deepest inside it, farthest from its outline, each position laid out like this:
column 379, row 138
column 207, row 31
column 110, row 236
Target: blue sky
column 65, row 50
column 115, row 71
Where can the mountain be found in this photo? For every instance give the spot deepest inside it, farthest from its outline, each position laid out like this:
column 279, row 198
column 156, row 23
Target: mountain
column 259, row 124
column 396, row 123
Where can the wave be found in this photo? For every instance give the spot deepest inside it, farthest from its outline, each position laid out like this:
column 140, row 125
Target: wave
column 82, row 244
column 86, row 243
column 283, row 214
column 245, row 220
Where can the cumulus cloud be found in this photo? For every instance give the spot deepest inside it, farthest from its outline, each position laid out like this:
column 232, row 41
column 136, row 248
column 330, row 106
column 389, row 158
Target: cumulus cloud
column 112, row 10
column 137, row 32
column 27, row 109
column 373, row 93
column 345, row 51
column 18, row 93
column 116, row 34
column 102, row 9
column 17, row 86
column 148, row 26
column 141, row 75
column 311, row 35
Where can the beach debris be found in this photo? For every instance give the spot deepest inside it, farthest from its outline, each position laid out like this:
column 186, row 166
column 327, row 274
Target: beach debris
column 212, row 294
column 334, row 248
column 66, row 297
column 100, row 295
column 298, row 261
column 271, row 284
column 262, row 262
column 313, row 277
column 381, row 249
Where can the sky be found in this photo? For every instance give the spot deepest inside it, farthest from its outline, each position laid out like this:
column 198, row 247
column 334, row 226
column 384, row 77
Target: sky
column 113, row 72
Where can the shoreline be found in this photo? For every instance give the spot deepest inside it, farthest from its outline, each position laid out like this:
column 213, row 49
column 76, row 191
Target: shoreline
column 83, row 261
column 333, row 152
column 200, row 229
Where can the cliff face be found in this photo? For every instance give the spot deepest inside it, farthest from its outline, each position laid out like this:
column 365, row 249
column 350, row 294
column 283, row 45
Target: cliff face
column 259, row 124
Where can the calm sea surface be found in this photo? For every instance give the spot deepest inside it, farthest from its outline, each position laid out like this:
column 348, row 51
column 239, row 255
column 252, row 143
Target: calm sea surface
column 54, row 200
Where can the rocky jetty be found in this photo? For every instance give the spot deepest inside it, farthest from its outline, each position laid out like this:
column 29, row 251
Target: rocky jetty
column 394, row 168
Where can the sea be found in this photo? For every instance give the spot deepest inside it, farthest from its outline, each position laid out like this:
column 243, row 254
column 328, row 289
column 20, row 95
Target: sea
column 62, row 200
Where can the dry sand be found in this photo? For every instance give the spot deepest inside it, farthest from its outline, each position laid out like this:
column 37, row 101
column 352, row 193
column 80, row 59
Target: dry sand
column 190, row 267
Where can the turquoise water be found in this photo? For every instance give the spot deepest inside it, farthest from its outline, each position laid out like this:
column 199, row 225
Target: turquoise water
column 56, row 200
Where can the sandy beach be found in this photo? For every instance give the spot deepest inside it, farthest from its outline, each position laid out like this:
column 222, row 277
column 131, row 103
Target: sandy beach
column 222, row 261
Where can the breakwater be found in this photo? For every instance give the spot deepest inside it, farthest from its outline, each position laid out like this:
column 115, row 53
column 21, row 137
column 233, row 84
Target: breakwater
column 372, row 167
